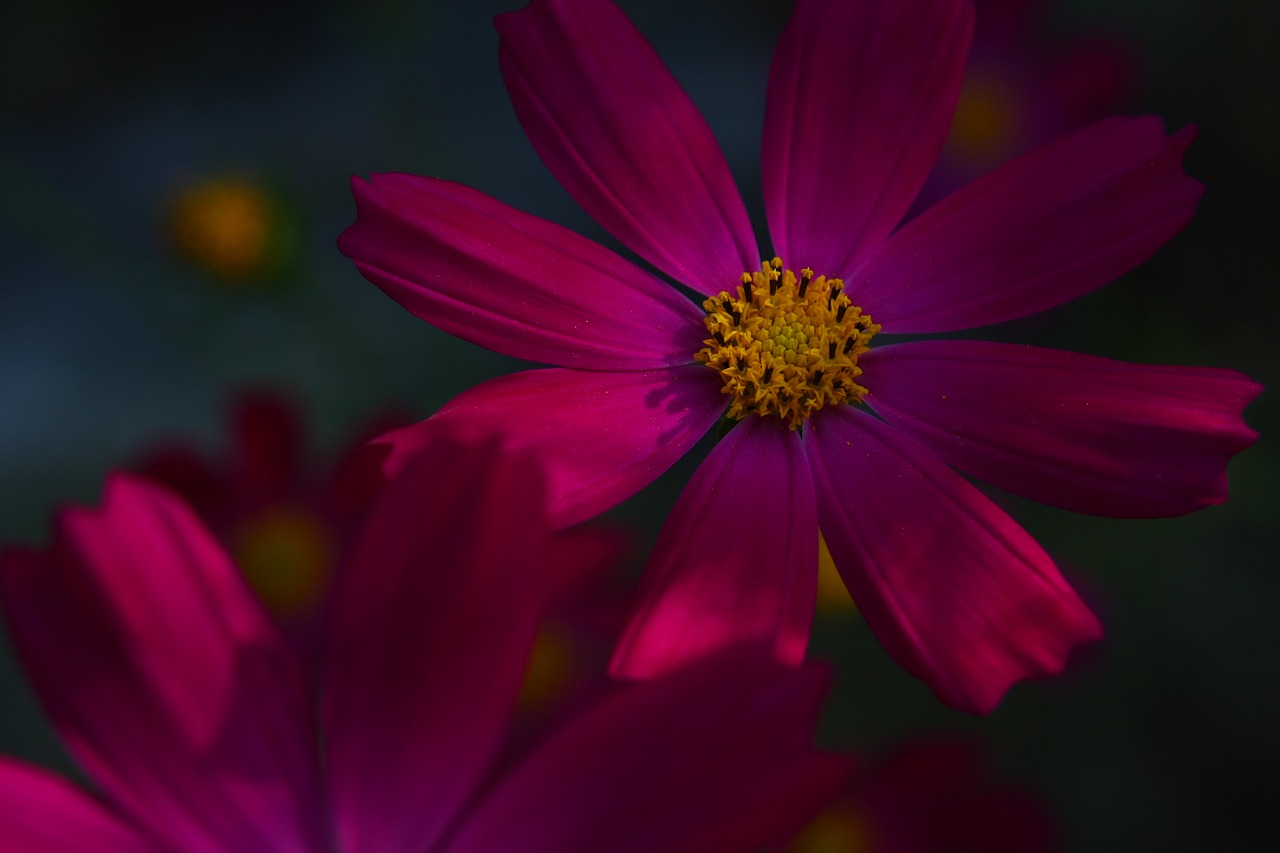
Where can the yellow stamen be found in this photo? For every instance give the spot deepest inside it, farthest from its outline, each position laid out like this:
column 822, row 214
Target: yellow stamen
column 784, row 345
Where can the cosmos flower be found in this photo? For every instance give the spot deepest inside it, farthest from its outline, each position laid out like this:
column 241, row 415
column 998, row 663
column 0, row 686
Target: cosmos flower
column 859, row 102
column 191, row 715
column 283, row 519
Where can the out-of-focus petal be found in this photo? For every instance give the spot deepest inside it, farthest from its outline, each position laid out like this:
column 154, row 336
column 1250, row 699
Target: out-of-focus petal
column 1084, row 433
column 957, row 592
column 184, row 471
column 860, row 101
column 269, row 437
column 356, row 476
column 584, row 553
column 164, row 677
column 616, row 129
column 514, row 283
column 1039, row 231
column 601, row 436
column 41, row 813
column 937, row 794
column 433, row 619
column 736, row 562
column 714, row 757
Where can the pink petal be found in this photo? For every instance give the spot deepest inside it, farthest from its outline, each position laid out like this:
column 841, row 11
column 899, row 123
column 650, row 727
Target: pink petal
column 1039, row 231
column 1084, row 433
column 616, row 129
column 164, row 677
column 715, row 757
column 434, row 616
column 40, row 813
column 957, row 592
column 601, row 436
column 737, row 560
column 514, row 283
column 860, row 101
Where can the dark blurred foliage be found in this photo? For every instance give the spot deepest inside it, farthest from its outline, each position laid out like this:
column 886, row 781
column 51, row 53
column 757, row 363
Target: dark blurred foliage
column 112, row 338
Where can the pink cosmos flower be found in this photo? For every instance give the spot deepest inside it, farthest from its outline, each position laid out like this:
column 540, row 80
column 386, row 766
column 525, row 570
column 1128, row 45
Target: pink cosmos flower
column 184, row 705
column 860, row 99
column 283, row 520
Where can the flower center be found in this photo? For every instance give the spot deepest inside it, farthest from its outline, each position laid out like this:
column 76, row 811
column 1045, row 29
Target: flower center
column 784, row 345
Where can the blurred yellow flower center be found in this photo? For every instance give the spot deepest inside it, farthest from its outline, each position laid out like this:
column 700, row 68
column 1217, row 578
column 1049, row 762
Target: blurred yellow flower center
column 223, row 224
column 839, row 829
column 786, row 345
column 552, row 668
column 286, row 557
column 984, row 128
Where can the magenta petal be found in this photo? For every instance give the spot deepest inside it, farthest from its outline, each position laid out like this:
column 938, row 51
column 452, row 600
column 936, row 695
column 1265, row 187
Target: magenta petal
column 40, row 813
column 164, row 677
column 514, row 283
column 957, row 592
column 434, row 616
column 737, row 560
column 601, row 436
column 1084, row 433
column 715, row 757
column 1039, row 231
column 860, row 101
column 616, row 129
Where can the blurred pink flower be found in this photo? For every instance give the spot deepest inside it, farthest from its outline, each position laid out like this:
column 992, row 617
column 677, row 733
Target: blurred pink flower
column 588, row 595
column 1022, row 88
column 859, row 103
column 191, row 715
column 284, row 519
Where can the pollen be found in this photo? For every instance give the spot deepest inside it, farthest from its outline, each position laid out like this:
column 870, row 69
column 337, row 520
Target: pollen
column 786, row 345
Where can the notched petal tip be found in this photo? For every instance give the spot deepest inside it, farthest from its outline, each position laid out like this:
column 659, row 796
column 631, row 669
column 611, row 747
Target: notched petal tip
column 958, row 593
column 981, row 699
column 1080, row 432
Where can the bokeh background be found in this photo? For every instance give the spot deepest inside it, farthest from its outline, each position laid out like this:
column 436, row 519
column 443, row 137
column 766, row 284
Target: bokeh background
column 122, row 124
